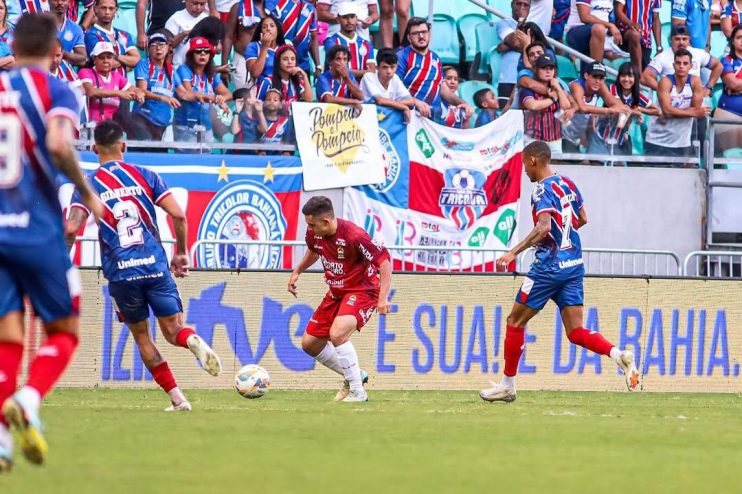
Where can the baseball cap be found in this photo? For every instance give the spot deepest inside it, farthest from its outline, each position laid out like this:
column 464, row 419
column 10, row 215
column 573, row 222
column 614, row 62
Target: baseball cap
column 346, row 8
column 158, row 38
column 200, row 43
column 102, row 47
column 544, row 61
column 596, row 68
column 679, row 30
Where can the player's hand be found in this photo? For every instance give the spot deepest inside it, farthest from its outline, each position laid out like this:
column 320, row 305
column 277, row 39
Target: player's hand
column 179, row 265
column 292, row 284
column 503, row 262
column 383, row 307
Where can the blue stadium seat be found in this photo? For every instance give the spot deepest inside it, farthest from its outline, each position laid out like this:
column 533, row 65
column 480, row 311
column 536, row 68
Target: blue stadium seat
column 501, row 5
column 716, row 96
column 467, row 25
column 494, row 64
column 468, row 88
column 666, row 13
column 719, row 44
column 487, row 39
column 733, row 153
column 127, row 5
column 566, row 70
column 445, row 39
column 420, row 8
column 637, row 139
column 126, row 20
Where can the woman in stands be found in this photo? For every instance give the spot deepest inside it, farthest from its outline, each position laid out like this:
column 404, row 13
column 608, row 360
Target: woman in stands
column 200, row 88
column 7, row 60
column 261, row 52
column 156, row 78
column 730, row 104
column 288, row 78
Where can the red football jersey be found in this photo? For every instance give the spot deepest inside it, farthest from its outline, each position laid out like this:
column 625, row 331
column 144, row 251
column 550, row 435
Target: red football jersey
column 350, row 258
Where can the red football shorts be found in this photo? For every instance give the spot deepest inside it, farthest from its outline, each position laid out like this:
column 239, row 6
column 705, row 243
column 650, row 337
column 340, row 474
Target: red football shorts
column 361, row 305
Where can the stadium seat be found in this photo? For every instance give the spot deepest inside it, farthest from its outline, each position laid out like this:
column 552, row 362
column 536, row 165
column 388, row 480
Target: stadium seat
column 719, row 44
column 487, row 38
column 468, row 88
column 420, row 8
column 637, row 139
column 665, row 14
column 126, row 20
column 494, row 64
column 127, row 5
column 445, row 39
column 716, row 96
column 501, row 5
column 566, row 69
column 467, row 25
column 731, row 153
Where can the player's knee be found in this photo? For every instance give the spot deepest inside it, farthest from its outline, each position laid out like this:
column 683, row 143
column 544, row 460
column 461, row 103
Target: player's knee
column 311, row 345
column 515, row 321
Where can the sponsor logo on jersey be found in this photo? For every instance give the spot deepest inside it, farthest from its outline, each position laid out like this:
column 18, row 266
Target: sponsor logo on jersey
column 15, row 220
column 462, row 198
column 341, row 241
column 136, row 262
column 368, row 255
column 351, row 300
column 341, row 253
column 240, row 216
column 570, row 264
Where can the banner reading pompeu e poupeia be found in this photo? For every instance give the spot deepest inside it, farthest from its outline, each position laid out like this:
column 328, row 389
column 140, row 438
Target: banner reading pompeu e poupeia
column 460, row 189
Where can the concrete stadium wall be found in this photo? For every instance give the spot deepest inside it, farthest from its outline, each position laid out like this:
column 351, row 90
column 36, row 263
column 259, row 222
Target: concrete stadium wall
column 446, row 332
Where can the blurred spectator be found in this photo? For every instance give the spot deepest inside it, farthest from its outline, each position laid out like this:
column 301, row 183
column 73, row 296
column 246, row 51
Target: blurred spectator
column 421, row 71
column 533, row 35
column 361, row 50
column 156, row 14
column 680, row 97
column 730, row 17
column 588, row 26
column 7, row 60
column 513, row 41
column 337, row 84
column 451, row 115
column 69, row 34
column 559, row 20
column 730, row 104
column 244, row 17
column 587, row 92
column 384, row 87
column 486, row 101
column 291, row 81
column 180, row 24
column 663, row 64
column 200, row 87
column 696, row 16
column 223, row 7
column 262, row 50
column 542, row 122
column 108, row 91
column 273, row 126
column 637, row 21
column 155, row 77
column 60, row 68
column 541, row 13
column 299, row 26
column 615, row 131
column 388, row 9
column 126, row 55
column 366, row 10
column 88, row 16
column 244, row 124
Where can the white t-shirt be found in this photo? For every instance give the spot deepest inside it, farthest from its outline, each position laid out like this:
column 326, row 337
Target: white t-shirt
column 179, row 22
column 372, row 88
column 362, row 12
column 540, row 13
column 599, row 8
column 662, row 63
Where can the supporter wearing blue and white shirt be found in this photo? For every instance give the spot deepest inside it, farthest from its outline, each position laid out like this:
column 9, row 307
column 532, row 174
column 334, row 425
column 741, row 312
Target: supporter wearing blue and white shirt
column 696, row 15
column 124, row 46
column 155, row 76
column 70, row 35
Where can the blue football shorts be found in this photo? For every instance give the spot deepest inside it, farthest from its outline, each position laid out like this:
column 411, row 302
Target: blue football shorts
column 565, row 288
column 133, row 299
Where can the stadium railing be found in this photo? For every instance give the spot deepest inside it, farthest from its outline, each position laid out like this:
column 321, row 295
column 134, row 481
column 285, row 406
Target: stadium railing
column 713, row 264
column 633, row 262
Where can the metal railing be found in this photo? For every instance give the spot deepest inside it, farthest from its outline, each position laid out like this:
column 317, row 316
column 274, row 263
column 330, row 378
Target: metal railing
column 89, row 248
column 629, row 262
column 713, row 264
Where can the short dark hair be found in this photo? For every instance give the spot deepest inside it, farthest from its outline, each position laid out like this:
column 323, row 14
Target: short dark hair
column 386, row 55
column 333, row 53
column 683, row 53
column 107, row 133
column 535, row 43
column 318, row 205
column 539, row 150
column 34, row 35
column 480, row 95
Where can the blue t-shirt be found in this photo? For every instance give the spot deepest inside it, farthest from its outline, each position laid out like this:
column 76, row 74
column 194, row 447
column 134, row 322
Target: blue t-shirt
column 484, row 117
column 130, row 245
column 196, row 113
column 30, row 213
column 5, row 50
column 70, row 36
column 561, row 249
column 697, row 17
column 252, row 52
column 158, row 82
column 248, row 129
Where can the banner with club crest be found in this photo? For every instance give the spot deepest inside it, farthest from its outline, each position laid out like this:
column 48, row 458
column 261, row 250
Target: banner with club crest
column 338, row 145
column 229, row 200
column 460, row 190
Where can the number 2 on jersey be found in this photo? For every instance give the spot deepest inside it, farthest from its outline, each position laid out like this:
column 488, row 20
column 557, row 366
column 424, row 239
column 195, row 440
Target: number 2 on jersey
column 128, row 223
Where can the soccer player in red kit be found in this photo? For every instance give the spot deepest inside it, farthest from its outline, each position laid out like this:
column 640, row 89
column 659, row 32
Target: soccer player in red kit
column 359, row 273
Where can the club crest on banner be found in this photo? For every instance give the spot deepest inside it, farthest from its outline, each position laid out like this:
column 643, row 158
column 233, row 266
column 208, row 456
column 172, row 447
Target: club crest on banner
column 244, row 210
column 462, row 199
column 391, row 160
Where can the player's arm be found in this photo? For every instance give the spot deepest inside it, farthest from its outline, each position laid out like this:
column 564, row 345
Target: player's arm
column 59, row 139
column 179, row 263
column 310, row 257
column 539, row 232
column 581, row 218
column 75, row 220
column 385, row 279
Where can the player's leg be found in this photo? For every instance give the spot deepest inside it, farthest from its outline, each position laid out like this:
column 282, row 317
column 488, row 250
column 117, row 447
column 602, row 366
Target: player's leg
column 163, row 297
column 11, row 354
column 341, row 330
column 570, row 300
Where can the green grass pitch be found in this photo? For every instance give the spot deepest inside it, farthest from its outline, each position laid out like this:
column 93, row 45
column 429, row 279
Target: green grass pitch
column 120, row 441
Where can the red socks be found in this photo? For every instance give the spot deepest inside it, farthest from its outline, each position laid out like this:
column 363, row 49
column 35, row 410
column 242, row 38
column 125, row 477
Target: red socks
column 51, row 361
column 11, row 355
column 181, row 339
column 162, row 375
column 515, row 340
column 592, row 340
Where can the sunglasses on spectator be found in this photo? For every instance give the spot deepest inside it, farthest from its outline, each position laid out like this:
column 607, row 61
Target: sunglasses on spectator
column 202, row 51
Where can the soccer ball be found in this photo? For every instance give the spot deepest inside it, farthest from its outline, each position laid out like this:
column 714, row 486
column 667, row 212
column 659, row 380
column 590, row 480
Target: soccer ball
column 252, row 381
column 463, row 180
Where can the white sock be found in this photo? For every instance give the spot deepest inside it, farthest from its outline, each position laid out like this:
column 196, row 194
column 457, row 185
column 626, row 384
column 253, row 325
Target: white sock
column 615, row 353
column 349, row 363
column 508, row 381
column 329, row 358
column 29, row 396
column 176, row 396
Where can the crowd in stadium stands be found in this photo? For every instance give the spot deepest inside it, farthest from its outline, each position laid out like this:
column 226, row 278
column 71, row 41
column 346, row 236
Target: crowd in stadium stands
column 230, row 69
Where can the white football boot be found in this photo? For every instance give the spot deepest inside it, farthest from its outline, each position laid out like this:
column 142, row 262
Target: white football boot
column 355, row 396
column 498, row 392
column 203, row 352
column 345, row 389
column 630, row 372
column 181, row 407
